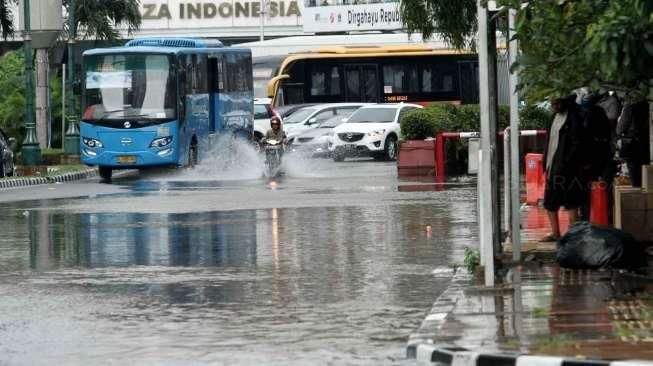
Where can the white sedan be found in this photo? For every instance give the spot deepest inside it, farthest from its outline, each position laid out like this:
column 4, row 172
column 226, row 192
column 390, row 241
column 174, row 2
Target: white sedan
column 373, row 130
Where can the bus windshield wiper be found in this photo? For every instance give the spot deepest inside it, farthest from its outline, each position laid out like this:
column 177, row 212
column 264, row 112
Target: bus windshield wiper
column 108, row 113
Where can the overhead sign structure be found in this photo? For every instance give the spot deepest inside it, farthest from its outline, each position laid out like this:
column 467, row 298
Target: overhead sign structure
column 347, row 18
column 189, row 16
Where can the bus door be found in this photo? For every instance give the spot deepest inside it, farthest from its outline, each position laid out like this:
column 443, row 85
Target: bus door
column 362, row 83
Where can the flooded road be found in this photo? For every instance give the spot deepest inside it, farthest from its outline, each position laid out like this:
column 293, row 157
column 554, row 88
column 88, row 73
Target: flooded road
column 331, row 264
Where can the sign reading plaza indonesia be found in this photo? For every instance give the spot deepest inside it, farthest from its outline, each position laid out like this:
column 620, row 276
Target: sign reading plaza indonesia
column 216, row 14
column 344, row 18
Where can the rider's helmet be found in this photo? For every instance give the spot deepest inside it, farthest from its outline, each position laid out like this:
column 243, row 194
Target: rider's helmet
column 275, row 121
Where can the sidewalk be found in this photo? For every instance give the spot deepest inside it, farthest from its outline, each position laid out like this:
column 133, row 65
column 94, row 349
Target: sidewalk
column 540, row 309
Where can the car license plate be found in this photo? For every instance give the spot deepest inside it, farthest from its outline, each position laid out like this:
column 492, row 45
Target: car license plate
column 127, row 159
column 350, row 147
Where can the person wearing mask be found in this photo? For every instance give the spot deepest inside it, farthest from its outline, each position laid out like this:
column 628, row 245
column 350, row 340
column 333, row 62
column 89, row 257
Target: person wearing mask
column 566, row 164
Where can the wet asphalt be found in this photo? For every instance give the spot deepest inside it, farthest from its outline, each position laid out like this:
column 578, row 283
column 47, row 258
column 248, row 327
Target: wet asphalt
column 330, row 264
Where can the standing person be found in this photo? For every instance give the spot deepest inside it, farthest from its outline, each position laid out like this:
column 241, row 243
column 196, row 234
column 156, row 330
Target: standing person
column 633, row 134
column 566, row 164
column 596, row 122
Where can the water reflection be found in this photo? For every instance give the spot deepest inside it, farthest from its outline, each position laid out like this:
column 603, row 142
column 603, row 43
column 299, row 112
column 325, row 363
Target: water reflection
column 100, row 240
column 235, row 287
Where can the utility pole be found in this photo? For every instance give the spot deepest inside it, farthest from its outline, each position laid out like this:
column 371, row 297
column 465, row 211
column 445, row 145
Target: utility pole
column 71, row 142
column 31, row 151
column 515, row 216
column 41, row 100
column 262, row 18
column 489, row 213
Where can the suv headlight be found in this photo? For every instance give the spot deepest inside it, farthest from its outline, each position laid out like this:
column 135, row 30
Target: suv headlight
column 161, row 141
column 377, row 133
column 90, row 142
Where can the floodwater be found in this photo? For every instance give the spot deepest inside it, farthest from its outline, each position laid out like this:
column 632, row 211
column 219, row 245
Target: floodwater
column 336, row 266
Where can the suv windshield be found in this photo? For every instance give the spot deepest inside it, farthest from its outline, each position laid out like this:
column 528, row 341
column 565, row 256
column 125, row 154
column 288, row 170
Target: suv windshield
column 373, row 115
column 126, row 86
column 261, row 111
column 299, row 116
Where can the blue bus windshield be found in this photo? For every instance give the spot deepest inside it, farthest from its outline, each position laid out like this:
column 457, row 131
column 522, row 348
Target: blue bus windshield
column 135, row 87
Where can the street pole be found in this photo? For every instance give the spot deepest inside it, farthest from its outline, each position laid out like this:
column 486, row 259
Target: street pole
column 515, row 215
column 31, row 150
column 71, row 142
column 488, row 211
column 63, row 104
column 262, row 18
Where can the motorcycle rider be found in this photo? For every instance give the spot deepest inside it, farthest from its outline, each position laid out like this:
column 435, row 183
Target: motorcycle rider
column 275, row 132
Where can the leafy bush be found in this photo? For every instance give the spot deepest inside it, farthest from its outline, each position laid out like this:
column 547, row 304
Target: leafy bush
column 534, row 118
column 51, row 156
column 418, row 125
column 445, row 117
column 472, row 259
column 427, row 122
column 12, row 98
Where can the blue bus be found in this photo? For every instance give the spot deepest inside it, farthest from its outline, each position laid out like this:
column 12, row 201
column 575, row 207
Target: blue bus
column 159, row 101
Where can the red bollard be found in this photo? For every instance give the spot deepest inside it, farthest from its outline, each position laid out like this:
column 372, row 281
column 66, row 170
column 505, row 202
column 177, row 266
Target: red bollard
column 534, row 178
column 440, row 159
column 599, row 204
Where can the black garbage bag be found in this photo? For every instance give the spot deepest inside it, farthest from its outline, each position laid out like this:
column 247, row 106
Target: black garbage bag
column 586, row 246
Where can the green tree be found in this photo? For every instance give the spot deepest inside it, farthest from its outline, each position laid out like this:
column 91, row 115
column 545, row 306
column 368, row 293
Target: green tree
column 601, row 44
column 455, row 21
column 101, row 18
column 12, row 99
column 564, row 44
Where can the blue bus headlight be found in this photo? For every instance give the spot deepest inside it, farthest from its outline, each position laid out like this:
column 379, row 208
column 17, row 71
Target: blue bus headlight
column 161, row 142
column 91, row 142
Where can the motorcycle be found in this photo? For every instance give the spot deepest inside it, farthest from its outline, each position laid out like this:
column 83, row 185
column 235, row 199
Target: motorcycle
column 273, row 151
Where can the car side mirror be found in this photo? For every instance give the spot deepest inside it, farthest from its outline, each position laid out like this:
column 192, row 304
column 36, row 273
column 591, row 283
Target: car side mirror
column 311, row 121
column 12, row 143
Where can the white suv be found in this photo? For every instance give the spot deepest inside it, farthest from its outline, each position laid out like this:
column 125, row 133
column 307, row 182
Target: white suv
column 310, row 117
column 373, row 130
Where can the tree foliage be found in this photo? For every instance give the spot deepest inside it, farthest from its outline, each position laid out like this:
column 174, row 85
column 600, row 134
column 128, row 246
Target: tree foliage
column 455, row 21
column 12, row 99
column 600, row 44
column 94, row 18
column 102, row 18
column 564, row 44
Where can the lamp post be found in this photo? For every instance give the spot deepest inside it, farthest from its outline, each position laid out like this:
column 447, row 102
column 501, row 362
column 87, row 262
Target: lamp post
column 71, row 141
column 31, row 150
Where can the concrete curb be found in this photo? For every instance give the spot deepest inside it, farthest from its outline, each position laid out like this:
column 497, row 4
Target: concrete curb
column 442, row 307
column 59, row 178
column 428, row 353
